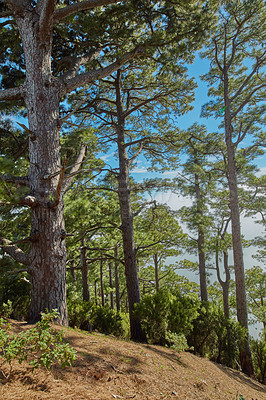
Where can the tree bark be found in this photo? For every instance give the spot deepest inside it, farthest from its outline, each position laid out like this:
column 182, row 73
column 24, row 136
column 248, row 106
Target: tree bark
column 156, row 270
column 130, row 258
column 201, row 241
column 117, row 287
column 111, row 286
column 48, row 268
column 241, row 302
column 84, row 271
column 101, row 281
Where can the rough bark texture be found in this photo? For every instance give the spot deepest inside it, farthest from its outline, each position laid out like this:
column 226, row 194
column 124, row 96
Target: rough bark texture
column 48, row 252
column 130, row 258
column 241, row 303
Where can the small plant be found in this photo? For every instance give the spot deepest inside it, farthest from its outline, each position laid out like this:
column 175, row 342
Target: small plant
column 6, row 309
column 178, row 342
column 42, row 345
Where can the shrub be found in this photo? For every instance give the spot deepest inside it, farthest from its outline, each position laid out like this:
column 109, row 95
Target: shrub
column 79, row 313
column 215, row 336
column 165, row 311
column 258, row 349
column 41, row 345
column 177, row 342
column 106, row 320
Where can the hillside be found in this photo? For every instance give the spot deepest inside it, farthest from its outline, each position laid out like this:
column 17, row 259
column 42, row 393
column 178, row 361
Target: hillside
column 107, row 368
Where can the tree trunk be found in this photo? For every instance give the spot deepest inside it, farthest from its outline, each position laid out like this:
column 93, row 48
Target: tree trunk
column 84, row 271
column 96, row 292
column 73, row 271
column 101, row 281
column 156, row 268
column 241, row 303
column 131, row 272
column 117, row 288
column 224, row 284
column 48, row 251
column 111, row 287
column 201, row 241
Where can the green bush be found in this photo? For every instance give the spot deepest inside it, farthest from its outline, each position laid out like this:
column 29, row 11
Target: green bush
column 177, row 342
column 215, row 336
column 79, row 313
column 41, row 345
column 16, row 290
column 258, row 351
column 165, row 311
column 106, row 320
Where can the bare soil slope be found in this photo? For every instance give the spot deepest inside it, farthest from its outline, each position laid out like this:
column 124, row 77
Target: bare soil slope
column 107, row 368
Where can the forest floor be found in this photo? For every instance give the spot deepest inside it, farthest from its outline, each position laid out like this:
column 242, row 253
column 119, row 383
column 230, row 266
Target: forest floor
column 108, row 368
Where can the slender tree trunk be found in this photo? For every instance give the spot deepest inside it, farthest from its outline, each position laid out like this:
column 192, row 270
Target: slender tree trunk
column 84, row 270
column 73, row 271
column 241, row 303
column 156, row 269
column 224, row 284
column 96, row 292
column 48, row 251
column 117, row 288
column 201, row 241
column 131, row 272
column 101, row 280
column 111, row 286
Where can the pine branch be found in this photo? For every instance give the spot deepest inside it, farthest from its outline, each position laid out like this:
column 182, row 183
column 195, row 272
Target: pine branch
column 12, row 94
column 15, row 252
column 91, row 76
column 79, row 160
column 81, row 6
column 17, row 180
column 46, row 17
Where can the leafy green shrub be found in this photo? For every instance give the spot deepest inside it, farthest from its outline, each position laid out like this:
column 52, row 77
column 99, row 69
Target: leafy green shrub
column 153, row 312
column 16, row 290
column 215, row 336
column 258, row 351
column 6, row 309
column 106, row 320
column 178, row 342
column 79, row 313
column 42, row 345
column 165, row 311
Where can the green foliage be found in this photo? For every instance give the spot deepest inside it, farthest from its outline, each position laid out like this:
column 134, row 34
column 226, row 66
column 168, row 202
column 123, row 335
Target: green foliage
column 42, row 345
column 216, row 336
column 165, row 311
column 6, row 309
column 106, row 320
column 258, row 349
column 177, row 342
column 87, row 316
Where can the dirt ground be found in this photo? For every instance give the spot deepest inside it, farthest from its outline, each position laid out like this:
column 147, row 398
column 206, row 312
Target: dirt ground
column 107, row 368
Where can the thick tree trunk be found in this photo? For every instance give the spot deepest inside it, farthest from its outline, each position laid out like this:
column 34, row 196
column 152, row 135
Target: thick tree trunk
column 241, row 303
column 130, row 258
column 201, row 242
column 48, row 250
